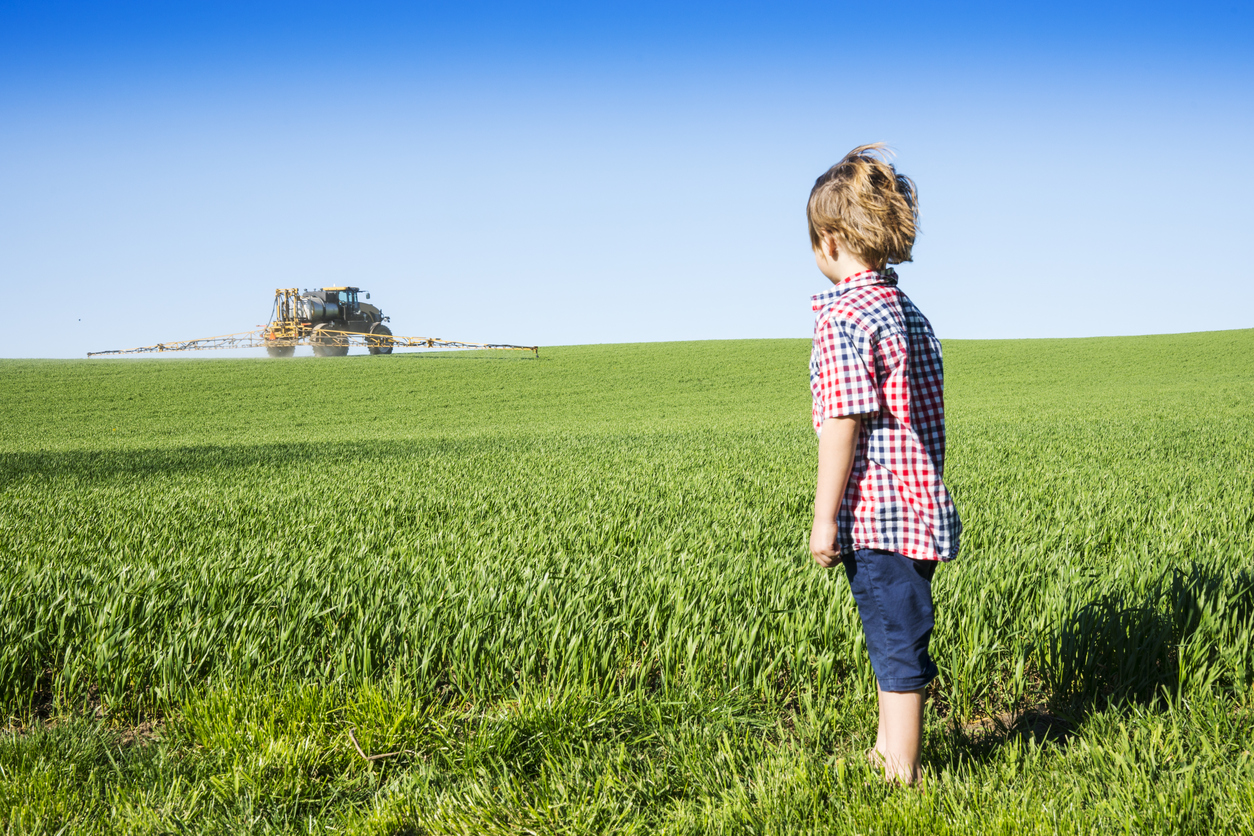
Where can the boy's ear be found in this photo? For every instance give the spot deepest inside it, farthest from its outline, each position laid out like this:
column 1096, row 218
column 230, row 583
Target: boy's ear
column 831, row 247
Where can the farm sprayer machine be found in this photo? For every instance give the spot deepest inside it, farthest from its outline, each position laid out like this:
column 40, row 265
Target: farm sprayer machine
column 329, row 320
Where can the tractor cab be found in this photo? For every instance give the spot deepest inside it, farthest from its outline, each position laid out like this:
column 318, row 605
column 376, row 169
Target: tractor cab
column 345, row 296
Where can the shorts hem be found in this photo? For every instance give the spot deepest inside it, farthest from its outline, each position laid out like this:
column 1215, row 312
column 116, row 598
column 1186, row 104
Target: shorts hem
column 914, row 683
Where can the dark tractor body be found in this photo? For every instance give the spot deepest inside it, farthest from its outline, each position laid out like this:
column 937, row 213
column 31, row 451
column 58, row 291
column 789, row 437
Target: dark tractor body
column 329, row 315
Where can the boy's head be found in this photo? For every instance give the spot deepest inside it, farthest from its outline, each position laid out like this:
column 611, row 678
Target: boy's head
column 866, row 206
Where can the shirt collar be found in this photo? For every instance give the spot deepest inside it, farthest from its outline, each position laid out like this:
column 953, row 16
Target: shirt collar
column 867, row 278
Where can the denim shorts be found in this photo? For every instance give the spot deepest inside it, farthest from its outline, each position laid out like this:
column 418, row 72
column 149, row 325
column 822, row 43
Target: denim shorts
column 894, row 597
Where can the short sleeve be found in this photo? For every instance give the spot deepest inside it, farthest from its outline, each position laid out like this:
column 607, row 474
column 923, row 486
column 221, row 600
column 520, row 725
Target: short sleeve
column 840, row 371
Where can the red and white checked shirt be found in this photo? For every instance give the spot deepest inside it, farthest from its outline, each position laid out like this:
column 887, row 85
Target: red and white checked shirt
column 875, row 355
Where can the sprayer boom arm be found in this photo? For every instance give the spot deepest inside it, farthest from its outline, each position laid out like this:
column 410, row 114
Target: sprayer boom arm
column 289, row 327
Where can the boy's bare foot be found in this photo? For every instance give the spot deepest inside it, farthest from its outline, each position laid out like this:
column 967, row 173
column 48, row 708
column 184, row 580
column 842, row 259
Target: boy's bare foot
column 878, row 762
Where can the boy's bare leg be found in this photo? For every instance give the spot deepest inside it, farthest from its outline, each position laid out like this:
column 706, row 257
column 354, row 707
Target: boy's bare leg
column 900, row 734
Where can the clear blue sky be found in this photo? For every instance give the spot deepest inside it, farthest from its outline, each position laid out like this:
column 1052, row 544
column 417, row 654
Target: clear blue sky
column 571, row 173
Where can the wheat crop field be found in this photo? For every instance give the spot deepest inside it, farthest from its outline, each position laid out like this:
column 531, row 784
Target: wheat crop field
column 476, row 593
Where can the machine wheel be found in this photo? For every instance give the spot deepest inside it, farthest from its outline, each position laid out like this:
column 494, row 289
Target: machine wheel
column 326, row 345
column 380, row 339
column 280, row 350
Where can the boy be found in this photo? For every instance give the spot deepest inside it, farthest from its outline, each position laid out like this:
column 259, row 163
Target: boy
column 880, row 507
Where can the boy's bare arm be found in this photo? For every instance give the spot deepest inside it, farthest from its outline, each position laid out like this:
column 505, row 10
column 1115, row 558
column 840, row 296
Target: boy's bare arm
column 837, row 445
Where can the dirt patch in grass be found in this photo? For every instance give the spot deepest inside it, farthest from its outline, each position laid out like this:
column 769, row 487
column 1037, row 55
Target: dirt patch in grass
column 1035, row 722
column 141, row 734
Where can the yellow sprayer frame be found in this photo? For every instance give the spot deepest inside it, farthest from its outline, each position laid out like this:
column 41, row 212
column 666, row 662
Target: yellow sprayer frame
column 284, row 330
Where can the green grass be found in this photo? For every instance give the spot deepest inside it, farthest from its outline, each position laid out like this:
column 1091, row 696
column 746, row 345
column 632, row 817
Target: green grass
column 574, row 594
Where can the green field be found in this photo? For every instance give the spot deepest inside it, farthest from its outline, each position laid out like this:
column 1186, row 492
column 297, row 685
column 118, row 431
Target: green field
column 573, row 595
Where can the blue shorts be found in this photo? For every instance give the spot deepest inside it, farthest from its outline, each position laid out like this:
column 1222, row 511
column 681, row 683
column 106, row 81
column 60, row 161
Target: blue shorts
column 894, row 597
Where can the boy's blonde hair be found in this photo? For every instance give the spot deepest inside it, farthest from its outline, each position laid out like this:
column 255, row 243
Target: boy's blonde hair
column 867, row 205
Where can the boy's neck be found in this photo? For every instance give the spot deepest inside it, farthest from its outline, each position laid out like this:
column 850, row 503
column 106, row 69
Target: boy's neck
column 840, row 267
column 848, row 265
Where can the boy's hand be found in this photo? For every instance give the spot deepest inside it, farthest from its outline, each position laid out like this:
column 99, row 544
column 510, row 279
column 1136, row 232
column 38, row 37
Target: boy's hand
column 823, row 543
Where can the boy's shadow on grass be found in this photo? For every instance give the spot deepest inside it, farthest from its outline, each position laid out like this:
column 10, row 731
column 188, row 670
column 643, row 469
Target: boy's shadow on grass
column 1121, row 648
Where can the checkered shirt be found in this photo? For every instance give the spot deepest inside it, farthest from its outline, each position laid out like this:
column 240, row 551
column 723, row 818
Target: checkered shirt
column 875, row 355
